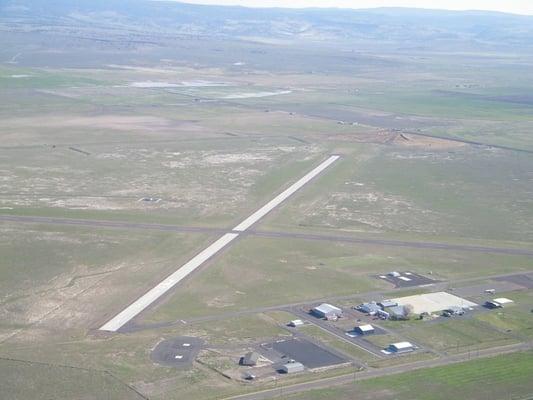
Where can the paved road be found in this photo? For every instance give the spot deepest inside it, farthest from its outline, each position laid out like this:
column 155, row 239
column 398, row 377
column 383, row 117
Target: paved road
column 273, row 234
column 367, row 374
column 143, row 302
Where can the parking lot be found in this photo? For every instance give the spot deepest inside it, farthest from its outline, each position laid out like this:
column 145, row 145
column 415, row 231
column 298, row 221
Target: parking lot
column 306, row 352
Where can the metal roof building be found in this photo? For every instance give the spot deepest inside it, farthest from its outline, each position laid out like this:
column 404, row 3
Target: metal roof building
column 296, row 322
column 401, row 347
column 498, row 303
column 387, row 303
column 292, row 367
column 369, row 308
column 327, row 311
column 364, row 329
column 502, row 301
column 250, row 358
column 493, row 304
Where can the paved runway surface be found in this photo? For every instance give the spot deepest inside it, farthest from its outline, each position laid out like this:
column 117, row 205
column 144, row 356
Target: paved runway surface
column 181, row 273
column 276, row 201
column 168, row 283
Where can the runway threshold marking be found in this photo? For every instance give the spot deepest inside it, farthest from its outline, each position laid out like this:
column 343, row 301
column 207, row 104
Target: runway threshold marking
column 168, row 283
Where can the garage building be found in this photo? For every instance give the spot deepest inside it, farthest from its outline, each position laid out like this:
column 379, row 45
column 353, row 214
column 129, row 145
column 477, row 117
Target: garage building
column 292, row 367
column 401, row 347
column 365, row 329
column 327, row 311
column 250, row 359
column 387, row 303
column 369, row 308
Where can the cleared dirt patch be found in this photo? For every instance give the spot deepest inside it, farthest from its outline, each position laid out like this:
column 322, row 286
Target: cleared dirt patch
column 116, row 122
column 408, row 140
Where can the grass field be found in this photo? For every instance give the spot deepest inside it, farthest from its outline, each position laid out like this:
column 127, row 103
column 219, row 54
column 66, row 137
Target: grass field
column 126, row 358
column 438, row 194
column 74, row 277
column 240, row 174
column 293, row 270
column 494, row 378
column 25, row 380
column 459, row 336
column 516, row 318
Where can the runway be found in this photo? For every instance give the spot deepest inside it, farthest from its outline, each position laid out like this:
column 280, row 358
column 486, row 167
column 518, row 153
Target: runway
column 181, row 273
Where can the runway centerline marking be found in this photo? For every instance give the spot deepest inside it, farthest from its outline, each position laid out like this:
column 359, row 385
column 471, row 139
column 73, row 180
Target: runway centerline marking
column 186, row 269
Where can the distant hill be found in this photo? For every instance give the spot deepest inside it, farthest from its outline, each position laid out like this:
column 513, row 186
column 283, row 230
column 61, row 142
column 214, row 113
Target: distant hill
column 410, row 26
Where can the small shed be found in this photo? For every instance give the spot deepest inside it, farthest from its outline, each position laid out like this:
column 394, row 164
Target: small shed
column 296, row 322
column 327, row 311
column 292, row 367
column 401, row 347
column 365, row 329
column 250, row 359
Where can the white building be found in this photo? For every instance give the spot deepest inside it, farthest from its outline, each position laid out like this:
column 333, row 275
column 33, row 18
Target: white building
column 292, row 367
column 327, row 311
column 401, row 347
column 364, row 329
column 502, row 301
column 498, row 303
